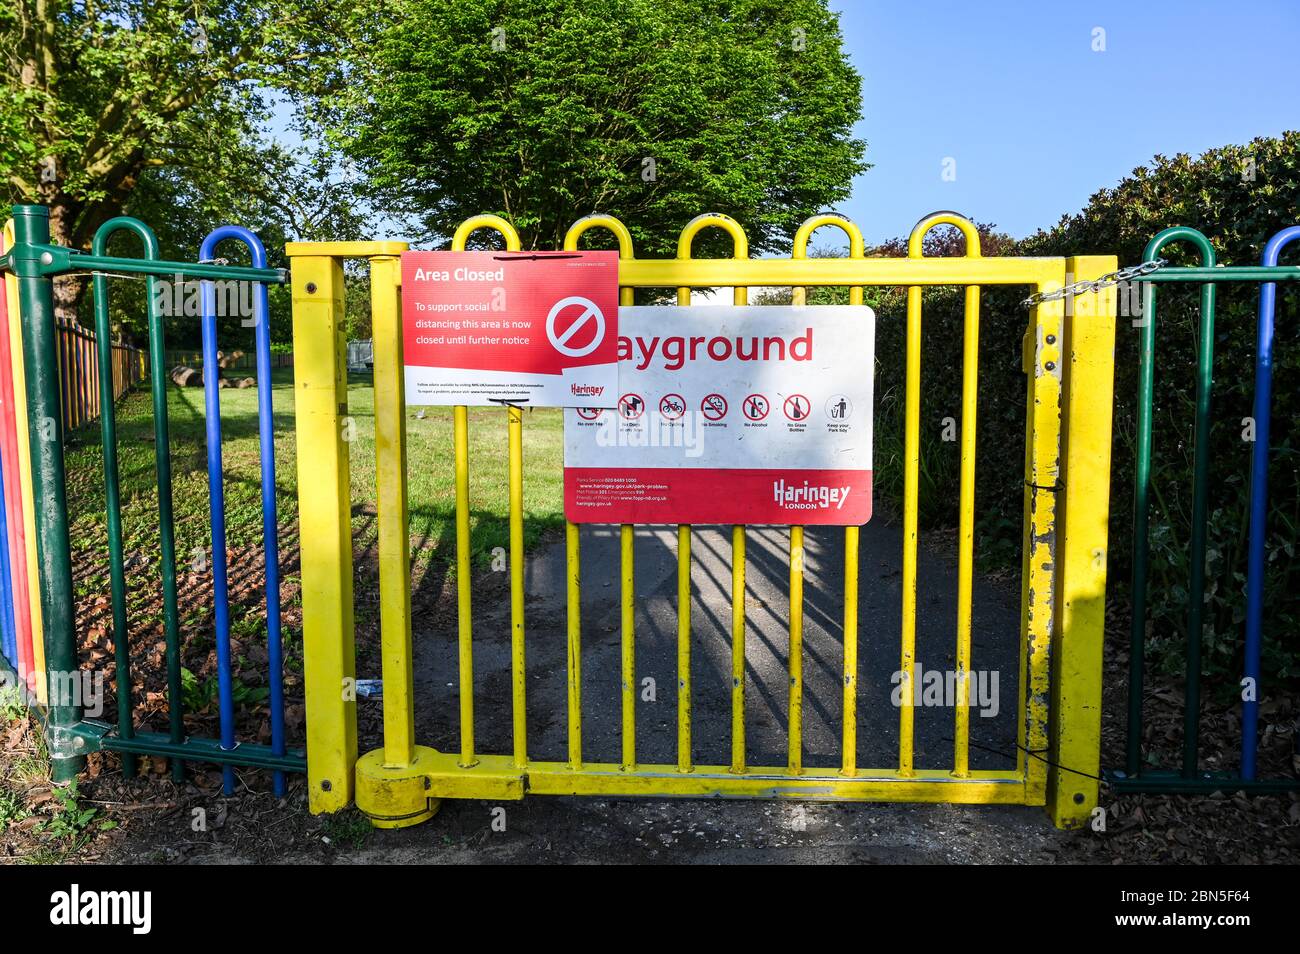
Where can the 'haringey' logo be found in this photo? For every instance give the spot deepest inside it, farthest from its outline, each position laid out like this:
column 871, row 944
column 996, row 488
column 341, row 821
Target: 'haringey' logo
column 808, row 496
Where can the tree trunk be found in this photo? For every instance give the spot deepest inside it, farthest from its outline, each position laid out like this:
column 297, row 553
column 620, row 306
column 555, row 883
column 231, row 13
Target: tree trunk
column 69, row 290
column 73, row 225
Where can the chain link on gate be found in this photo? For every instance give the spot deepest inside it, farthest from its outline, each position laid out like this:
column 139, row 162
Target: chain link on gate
column 1105, row 281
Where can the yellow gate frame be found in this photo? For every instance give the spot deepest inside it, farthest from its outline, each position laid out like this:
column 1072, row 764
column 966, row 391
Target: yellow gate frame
column 1069, row 364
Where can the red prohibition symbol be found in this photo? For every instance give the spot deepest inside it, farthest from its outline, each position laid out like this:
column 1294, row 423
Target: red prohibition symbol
column 755, row 407
column 672, row 406
column 631, row 406
column 796, row 407
column 714, row 407
column 590, row 413
column 575, row 326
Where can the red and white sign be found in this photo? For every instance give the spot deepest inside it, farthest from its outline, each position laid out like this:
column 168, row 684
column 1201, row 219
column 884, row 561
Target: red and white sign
column 763, row 417
column 536, row 328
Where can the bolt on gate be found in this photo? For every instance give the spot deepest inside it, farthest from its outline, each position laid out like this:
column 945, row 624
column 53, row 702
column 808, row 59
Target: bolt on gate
column 1069, row 366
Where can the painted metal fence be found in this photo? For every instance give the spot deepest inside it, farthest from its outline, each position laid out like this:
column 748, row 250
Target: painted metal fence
column 37, row 364
column 24, row 648
column 1066, row 493
column 1190, row 777
column 1068, row 358
column 81, row 370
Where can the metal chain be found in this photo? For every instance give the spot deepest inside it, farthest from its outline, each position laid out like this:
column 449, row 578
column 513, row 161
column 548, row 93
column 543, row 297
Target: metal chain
column 1097, row 284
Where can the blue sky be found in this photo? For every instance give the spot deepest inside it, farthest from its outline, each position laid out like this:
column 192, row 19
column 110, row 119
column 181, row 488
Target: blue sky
column 1036, row 120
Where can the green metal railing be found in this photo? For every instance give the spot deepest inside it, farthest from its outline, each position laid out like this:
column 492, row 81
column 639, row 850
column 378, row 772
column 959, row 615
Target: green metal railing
column 1189, row 778
column 35, row 262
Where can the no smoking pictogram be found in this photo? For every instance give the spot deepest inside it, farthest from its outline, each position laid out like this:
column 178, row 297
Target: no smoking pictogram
column 575, row 326
column 755, row 407
column 714, row 407
column 672, row 406
column 631, row 406
column 796, row 407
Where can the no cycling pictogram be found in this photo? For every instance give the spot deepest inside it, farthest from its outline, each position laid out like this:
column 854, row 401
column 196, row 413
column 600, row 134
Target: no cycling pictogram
column 672, row 406
column 755, row 407
column 631, row 406
column 714, row 407
column 796, row 407
column 568, row 319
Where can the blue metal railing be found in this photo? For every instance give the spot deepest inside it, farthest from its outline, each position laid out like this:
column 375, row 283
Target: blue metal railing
column 216, row 497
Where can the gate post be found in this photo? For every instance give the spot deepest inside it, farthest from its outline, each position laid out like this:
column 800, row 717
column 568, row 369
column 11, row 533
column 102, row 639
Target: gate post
column 45, row 436
column 1077, row 638
column 325, row 525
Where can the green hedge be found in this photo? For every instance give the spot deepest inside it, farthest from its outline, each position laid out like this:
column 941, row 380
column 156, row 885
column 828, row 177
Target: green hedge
column 1238, row 196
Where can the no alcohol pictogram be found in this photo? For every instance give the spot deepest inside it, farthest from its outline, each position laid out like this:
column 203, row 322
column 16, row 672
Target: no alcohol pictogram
column 713, row 407
column 755, row 407
column 796, row 407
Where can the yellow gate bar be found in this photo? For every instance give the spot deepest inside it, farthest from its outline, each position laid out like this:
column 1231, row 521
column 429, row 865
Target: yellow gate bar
column 740, row 272
column 325, row 527
column 849, row 747
column 966, row 492
column 518, row 670
column 796, row 652
column 495, row 777
column 1042, row 356
column 572, row 554
column 849, row 707
column 393, row 524
column 573, row 576
column 464, row 566
column 1082, row 548
column 464, row 587
column 966, row 528
column 911, row 480
column 739, row 296
column 628, row 597
column 738, row 649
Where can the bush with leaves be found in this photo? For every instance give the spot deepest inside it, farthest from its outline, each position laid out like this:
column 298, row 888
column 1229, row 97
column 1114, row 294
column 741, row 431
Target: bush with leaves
column 1238, row 196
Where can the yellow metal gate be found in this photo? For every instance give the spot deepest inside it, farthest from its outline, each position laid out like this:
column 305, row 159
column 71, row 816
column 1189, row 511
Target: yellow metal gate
column 1069, row 365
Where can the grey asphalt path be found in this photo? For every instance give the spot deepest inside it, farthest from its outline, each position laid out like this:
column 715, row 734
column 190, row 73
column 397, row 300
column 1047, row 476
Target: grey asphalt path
column 995, row 649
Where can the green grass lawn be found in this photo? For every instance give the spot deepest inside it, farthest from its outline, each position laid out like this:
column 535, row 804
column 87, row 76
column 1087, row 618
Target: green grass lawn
column 430, row 478
column 432, row 533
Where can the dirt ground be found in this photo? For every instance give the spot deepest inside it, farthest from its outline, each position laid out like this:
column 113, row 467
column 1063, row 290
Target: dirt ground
column 152, row 820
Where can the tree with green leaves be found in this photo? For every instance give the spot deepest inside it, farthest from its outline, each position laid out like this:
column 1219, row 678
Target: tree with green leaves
column 650, row 110
column 100, row 94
